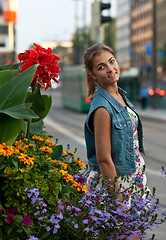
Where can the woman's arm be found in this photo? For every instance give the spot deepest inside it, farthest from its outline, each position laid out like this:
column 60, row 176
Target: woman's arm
column 102, row 131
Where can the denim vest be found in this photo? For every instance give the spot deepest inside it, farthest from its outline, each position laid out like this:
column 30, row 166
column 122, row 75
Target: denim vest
column 122, row 148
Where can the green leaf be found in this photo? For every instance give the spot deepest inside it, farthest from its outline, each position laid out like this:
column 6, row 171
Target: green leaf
column 38, row 106
column 47, row 99
column 2, row 166
column 19, row 112
column 9, row 66
column 6, row 75
column 36, row 127
column 45, row 235
column 14, row 91
column 9, row 129
column 15, row 163
column 57, row 152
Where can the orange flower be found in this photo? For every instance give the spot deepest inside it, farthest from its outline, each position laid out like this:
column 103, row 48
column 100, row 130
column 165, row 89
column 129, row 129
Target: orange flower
column 84, row 189
column 51, row 135
column 38, row 138
column 26, row 159
column 6, row 150
column 49, row 142
column 52, row 160
column 21, row 146
column 64, row 165
column 64, row 152
column 77, row 185
column 32, row 145
column 80, row 163
column 80, row 187
column 63, row 172
column 46, row 149
column 16, row 151
column 71, row 153
column 68, row 178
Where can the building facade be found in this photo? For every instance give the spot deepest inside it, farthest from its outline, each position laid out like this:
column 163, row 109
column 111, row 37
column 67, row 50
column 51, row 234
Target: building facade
column 142, row 34
column 6, row 54
column 123, row 33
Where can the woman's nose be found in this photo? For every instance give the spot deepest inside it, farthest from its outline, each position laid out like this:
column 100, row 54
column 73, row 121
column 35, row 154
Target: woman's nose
column 109, row 68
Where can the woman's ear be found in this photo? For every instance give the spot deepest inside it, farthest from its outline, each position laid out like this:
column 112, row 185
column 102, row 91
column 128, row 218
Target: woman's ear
column 92, row 75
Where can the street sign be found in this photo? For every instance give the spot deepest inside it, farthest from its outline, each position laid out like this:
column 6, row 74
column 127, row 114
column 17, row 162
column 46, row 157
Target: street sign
column 9, row 9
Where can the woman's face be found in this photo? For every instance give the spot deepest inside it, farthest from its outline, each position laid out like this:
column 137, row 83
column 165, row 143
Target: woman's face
column 105, row 69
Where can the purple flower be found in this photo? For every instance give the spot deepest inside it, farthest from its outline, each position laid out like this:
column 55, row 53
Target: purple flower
column 10, row 214
column 85, row 221
column 75, row 224
column 36, row 213
column 56, row 227
column 48, row 228
column 60, row 215
column 32, row 238
column 44, row 210
column 27, row 220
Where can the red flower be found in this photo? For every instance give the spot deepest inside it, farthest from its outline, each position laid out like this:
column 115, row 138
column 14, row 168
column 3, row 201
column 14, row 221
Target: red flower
column 47, row 70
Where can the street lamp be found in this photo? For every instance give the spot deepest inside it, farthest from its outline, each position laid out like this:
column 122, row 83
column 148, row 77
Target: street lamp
column 154, row 53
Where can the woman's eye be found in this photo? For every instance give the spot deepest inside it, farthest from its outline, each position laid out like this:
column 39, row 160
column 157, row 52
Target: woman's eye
column 101, row 67
column 112, row 60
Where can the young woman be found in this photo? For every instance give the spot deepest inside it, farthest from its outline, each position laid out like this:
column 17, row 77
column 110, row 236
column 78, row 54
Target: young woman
column 113, row 128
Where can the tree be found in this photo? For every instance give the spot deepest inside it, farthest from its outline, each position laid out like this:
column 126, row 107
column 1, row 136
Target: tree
column 81, row 41
column 109, row 34
column 163, row 59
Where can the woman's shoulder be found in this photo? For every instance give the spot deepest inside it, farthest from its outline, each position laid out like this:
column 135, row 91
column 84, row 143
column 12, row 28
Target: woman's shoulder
column 99, row 100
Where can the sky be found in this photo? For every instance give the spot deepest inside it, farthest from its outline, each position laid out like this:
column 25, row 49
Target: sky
column 51, row 20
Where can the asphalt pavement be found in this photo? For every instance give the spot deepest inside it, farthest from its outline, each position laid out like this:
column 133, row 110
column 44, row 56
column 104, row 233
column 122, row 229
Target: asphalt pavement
column 152, row 114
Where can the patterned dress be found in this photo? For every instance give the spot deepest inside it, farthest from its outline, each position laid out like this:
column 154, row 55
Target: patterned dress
column 139, row 176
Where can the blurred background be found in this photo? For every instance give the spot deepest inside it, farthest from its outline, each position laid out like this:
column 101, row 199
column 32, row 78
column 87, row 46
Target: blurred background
column 135, row 29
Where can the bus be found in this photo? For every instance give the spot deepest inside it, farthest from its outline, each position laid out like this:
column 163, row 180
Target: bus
column 74, row 87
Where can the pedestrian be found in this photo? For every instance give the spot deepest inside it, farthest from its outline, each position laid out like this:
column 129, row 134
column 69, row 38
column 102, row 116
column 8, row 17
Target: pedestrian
column 113, row 128
column 143, row 97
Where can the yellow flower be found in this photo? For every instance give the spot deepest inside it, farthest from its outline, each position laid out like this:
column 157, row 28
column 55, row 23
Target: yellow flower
column 21, row 146
column 49, row 142
column 32, row 145
column 80, row 187
column 63, row 172
column 64, row 165
column 51, row 135
column 68, row 178
column 38, row 138
column 71, row 153
column 51, row 160
column 16, row 151
column 77, row 185
column 46, row 149
column 64, row 152
column 6, row 150
column 84, row 189
column 80, row 163
column 26, row 159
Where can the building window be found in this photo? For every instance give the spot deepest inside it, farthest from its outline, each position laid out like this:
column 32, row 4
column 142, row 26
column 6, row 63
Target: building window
column 3, row 29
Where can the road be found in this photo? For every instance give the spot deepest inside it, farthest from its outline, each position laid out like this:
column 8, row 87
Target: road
column 67, row 127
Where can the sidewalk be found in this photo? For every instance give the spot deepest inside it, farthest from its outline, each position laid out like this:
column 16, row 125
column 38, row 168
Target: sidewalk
column 152, row 114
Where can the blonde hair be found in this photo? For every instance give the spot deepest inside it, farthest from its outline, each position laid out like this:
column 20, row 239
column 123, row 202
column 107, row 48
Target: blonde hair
column 88, row 64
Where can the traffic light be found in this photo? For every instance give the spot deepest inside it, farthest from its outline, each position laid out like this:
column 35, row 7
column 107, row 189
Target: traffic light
column 104, row 6
column 98, row 18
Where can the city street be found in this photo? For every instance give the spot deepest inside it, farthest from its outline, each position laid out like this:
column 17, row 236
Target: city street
column 67, row 126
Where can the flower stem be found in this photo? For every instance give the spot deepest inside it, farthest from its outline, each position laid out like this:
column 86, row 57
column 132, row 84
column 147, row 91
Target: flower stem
column 28, row 128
